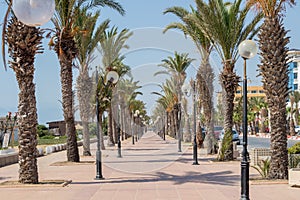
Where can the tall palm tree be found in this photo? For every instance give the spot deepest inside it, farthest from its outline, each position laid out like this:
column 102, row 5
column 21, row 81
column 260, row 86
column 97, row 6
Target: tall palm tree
column 224, row 24
column 272, row 43
column 176, row 67
column 86, row 40
column 127, row 94
column 67, row 12
column 24, row 42
column 110, row 48
column 169, row 99
column 205, row 75
column 116, row 102
column 256, row 106
column 260, row 107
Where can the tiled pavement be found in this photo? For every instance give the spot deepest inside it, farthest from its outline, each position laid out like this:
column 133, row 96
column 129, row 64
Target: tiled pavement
column 152, row 169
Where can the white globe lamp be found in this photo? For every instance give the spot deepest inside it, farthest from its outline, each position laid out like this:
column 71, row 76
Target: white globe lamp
column 33, row 12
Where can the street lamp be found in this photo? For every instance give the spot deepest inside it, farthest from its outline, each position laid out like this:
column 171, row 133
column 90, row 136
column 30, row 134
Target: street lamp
column 247, row 49
column 187, row 90
column 136, row 115
column 111, row 78
column 33, row 12
column 119, row 133
column 132, row 127
column 163, row 127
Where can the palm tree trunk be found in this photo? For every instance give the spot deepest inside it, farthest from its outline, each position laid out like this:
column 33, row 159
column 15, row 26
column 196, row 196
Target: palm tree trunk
column 292, row 127
column 110, row 141
column 101, row 131
column 199, row 135
column 207, row 104
column 66, row 76
column 187, row 132
column 86, row 139
column 84, row 95
column 168, row 123
column 28, row 172
column 229, row 81
column 24, row 43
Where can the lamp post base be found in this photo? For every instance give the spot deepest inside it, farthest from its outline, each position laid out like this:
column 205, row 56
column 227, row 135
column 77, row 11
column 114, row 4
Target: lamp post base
column 179, row 144
column 195, row 163
column 119, row 154
column 244, row 198
column 132, row 139
column 99, row 166
column 99, row 178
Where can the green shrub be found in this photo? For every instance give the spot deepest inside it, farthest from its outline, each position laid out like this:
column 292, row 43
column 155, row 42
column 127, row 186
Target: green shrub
column 42, row 130
column 47, row 137
column 294, row 160
column 49, row 141
column 92, row 128
column 263, row 168
column 294, row 149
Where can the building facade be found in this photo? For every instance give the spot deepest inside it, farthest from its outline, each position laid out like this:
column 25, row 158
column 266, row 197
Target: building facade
column 252, row 91
column 293, row 65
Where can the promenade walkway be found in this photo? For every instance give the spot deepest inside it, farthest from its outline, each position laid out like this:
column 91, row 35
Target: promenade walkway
column 152, row 169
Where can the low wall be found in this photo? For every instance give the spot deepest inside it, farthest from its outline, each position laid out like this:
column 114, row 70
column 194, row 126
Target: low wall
column 8, row 157
column 259, row 154
column 294, row 177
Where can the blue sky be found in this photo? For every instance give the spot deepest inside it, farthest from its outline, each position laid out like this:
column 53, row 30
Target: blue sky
column 148, row 46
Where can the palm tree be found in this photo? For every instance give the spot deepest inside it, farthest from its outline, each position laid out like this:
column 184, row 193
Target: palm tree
column 224, row 24
column 260, row 107
column 238, row 115
column 272, row 44
column 127, row 95
column 292, row 111
column 67, row 12
column 168, row 98
column 257, row 105
column 24, row 42
column 205, row 75
column 110, row 48
column 296, row 95
column 87, row 41
column 176, row 67
column 122, row 70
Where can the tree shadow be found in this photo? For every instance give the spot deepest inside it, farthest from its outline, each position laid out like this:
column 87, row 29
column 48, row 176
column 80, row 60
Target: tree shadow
column 219, row 178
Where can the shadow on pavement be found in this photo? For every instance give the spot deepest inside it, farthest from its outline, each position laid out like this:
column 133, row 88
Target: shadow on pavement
column 220, row 178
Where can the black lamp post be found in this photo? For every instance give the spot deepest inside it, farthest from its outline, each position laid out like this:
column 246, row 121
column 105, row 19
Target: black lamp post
column 186, row 89
column 163, row 127
column 119, row 133
column 136, row 114
column 247, row 49
column 112, row 78
column 132, row 128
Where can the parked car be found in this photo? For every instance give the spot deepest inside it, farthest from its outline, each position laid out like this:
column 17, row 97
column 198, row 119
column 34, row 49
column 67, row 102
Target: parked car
column 235, row 136
column 217, row 131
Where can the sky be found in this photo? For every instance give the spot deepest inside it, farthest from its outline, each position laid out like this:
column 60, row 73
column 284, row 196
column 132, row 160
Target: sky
column 148, row 46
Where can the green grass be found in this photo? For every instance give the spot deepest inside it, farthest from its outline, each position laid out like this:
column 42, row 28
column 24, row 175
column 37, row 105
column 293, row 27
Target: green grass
column 48, row 141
